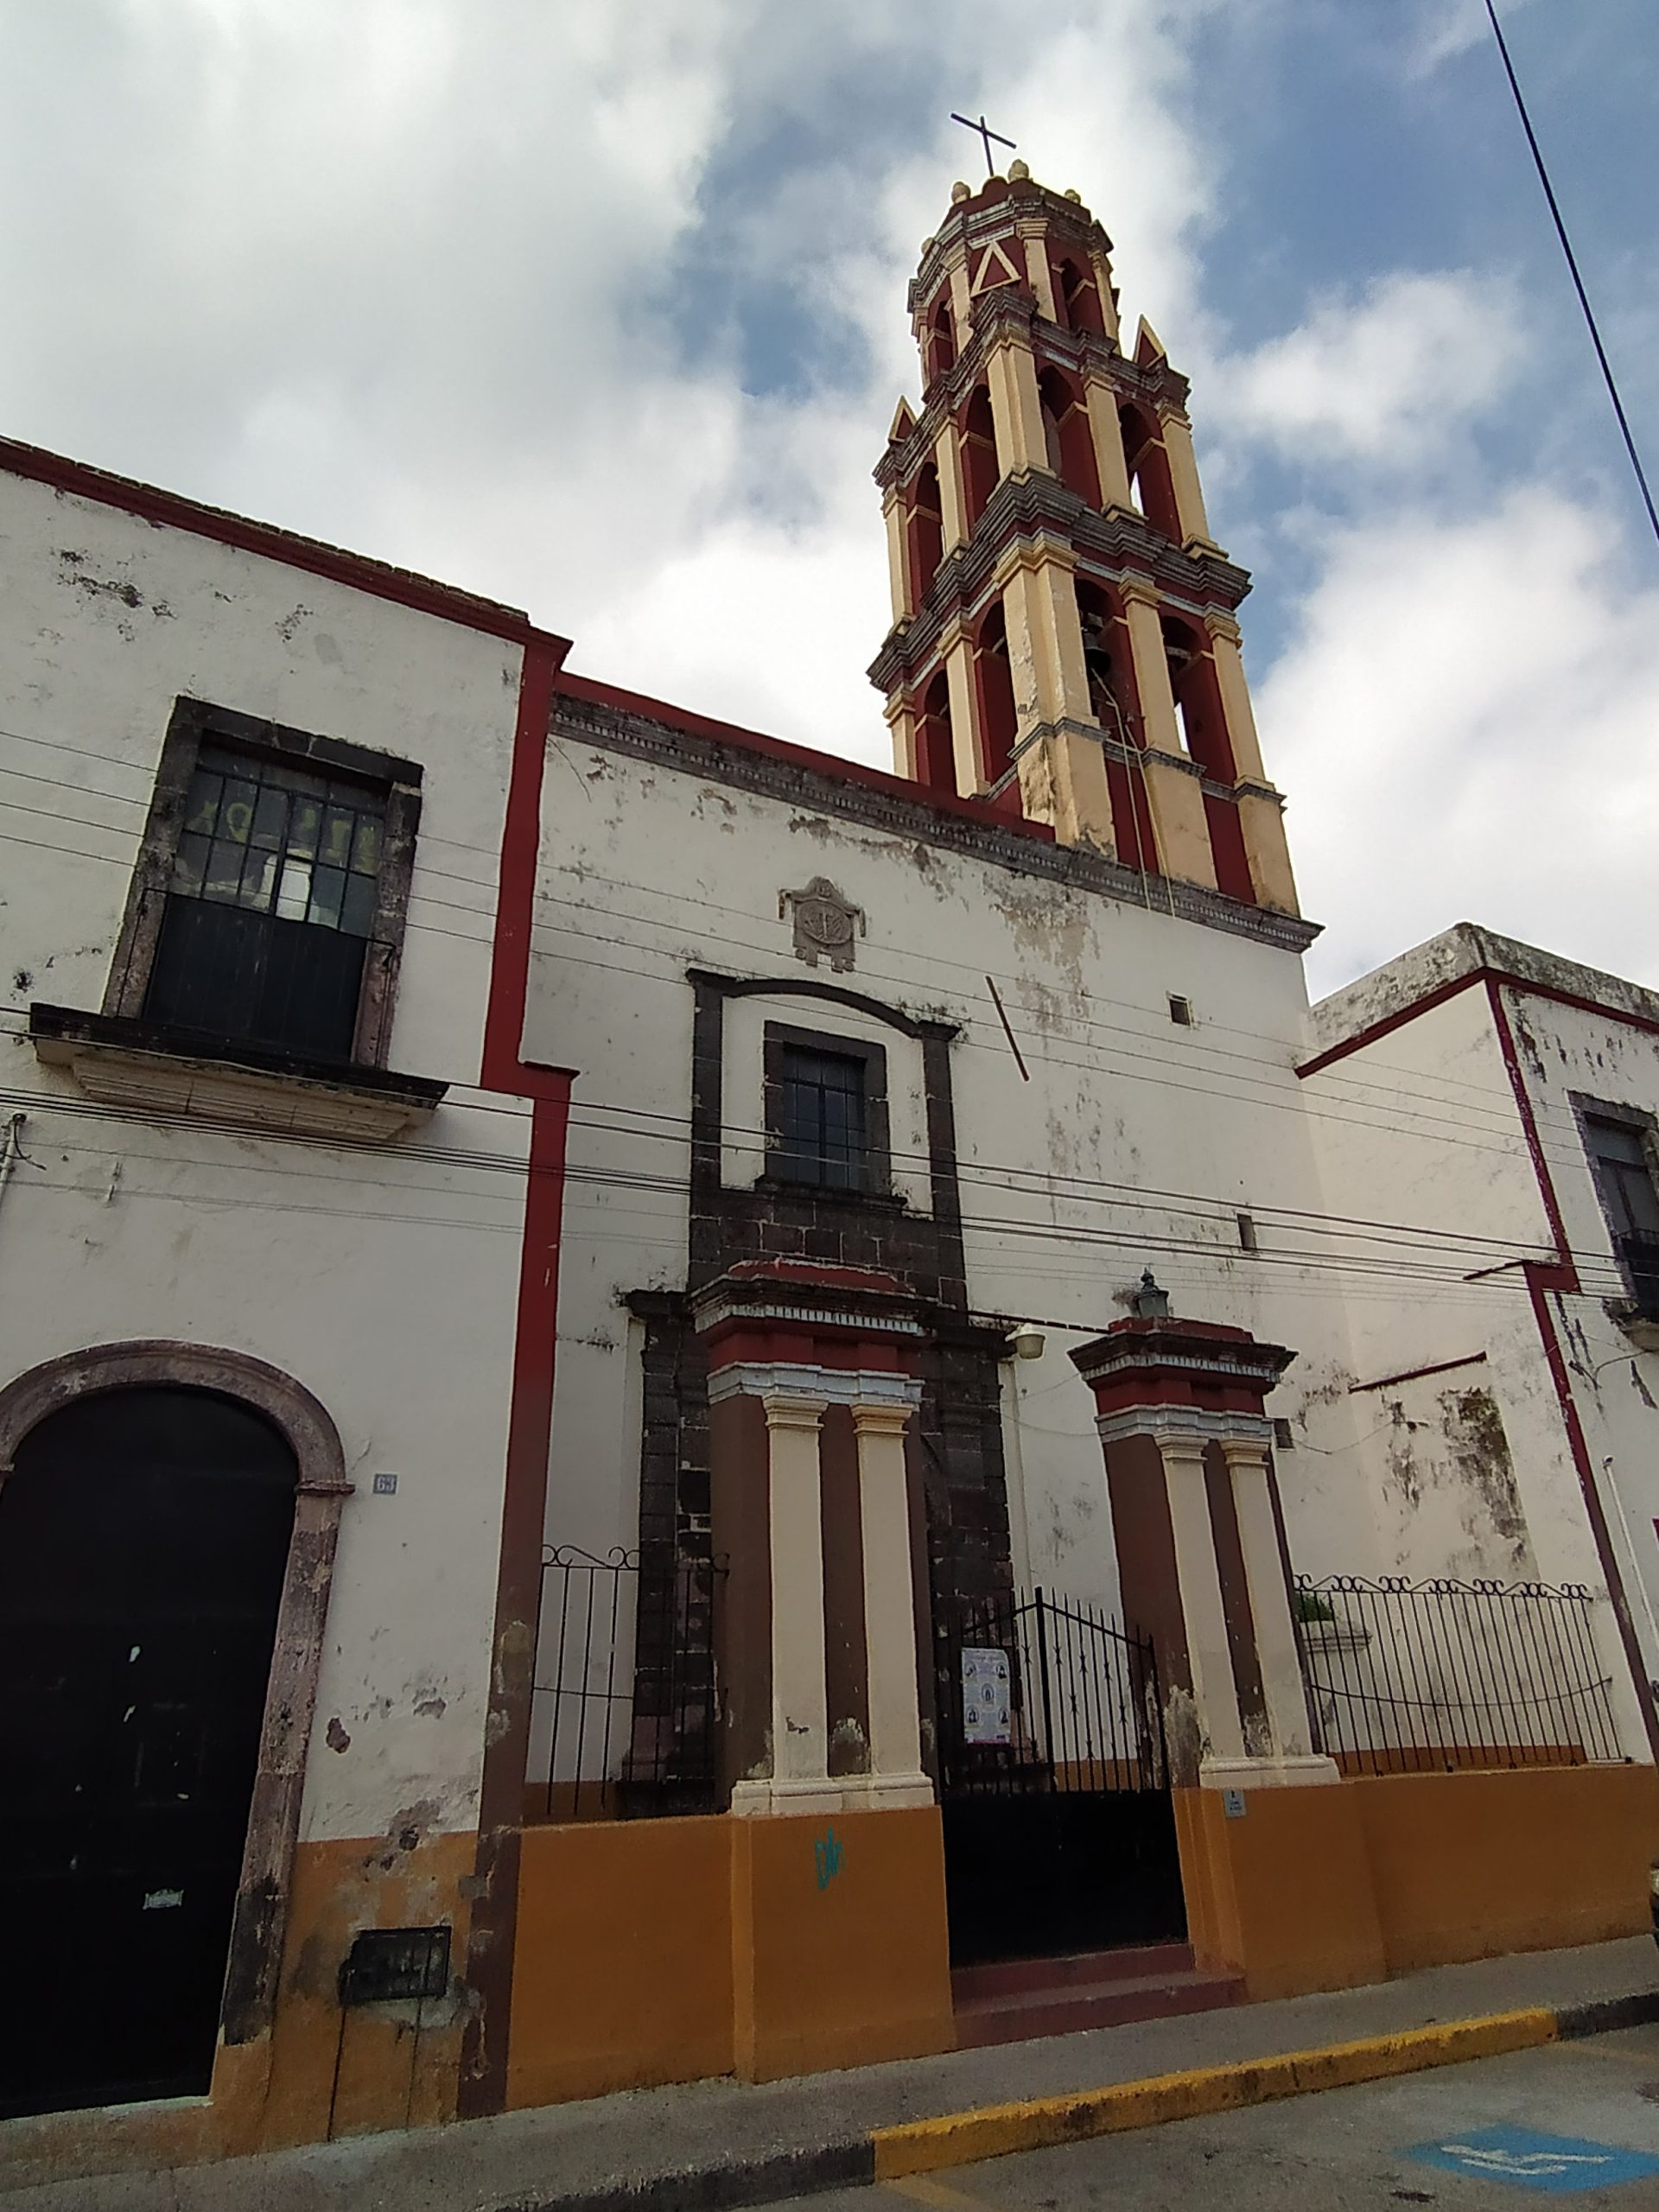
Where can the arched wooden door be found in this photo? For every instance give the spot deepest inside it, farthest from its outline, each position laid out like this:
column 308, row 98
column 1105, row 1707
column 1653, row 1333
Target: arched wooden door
column 143, row 1538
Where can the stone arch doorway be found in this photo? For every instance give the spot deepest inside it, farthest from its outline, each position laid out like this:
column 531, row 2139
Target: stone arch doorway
column 160, row 1511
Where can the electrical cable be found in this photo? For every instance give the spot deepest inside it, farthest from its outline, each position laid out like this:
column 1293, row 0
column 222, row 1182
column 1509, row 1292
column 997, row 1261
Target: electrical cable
column 1608, row 377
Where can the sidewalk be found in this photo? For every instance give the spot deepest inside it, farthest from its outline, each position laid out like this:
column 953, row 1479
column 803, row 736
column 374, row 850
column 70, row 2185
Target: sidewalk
column 715, row 2144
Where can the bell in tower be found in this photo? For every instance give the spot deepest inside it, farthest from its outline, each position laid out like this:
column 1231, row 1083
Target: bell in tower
column 1064, row 645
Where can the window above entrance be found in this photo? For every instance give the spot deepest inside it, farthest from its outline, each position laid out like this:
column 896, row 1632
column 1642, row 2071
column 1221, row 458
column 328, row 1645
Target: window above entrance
column 826, row 1108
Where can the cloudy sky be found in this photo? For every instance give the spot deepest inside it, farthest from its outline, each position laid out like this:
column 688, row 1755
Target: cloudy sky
column 599, row 308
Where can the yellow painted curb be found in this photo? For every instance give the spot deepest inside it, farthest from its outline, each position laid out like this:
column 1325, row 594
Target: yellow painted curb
column 923, row 2145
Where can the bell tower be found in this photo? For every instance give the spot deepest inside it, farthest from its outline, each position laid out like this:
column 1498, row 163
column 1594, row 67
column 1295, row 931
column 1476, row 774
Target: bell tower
column 1064, row 645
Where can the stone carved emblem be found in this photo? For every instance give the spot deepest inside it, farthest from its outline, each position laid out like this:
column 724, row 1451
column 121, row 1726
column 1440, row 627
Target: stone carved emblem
column 826, row 925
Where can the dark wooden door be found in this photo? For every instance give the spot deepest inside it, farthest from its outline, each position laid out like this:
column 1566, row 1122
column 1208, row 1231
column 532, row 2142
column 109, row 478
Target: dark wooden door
column 143, row 1537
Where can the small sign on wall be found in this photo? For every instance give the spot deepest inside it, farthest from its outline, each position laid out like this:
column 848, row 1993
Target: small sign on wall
column 987, row 1713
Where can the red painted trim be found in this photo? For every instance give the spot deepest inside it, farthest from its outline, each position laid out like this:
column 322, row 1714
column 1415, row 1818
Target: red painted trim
column 1563, row 1275
column 380, row 578
column 503, row 1067
column 1357, row 1043
column 529, row 1420
column 801, row 756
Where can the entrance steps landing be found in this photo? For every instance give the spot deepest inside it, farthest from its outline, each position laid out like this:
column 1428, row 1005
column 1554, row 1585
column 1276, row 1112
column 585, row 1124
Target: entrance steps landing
column 1016, row 2000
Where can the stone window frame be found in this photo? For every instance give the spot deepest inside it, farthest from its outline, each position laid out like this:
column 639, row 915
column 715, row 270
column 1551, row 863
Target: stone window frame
column 1638, row 1119
column 260, row 1915
column 195, row 721
column 876, row 1180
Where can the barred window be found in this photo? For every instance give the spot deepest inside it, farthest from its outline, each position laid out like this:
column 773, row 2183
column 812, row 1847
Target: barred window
column 268, row 907
column 825, row 1119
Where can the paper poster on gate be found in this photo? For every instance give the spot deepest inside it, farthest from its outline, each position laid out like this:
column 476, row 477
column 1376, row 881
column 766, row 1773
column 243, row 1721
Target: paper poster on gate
column 987, row 1715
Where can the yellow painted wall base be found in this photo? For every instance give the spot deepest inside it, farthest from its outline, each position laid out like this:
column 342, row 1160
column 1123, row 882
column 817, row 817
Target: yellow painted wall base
column 1471, row 1865
column 1284, row 1895
column 838, row 1941
column 1330, row 1887
column 666, row 1950
column 622, row 1967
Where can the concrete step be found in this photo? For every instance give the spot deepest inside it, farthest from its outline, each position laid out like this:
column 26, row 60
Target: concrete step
column 1022, row 2016
column 1129, row 1962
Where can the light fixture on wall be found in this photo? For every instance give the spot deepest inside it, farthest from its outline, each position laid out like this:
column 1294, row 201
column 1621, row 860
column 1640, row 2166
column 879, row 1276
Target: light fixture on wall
column 1151, row 1303
column 1026, row 1341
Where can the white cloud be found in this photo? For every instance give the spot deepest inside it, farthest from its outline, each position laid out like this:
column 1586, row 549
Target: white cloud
column 1384, row 377
column 1465, row 728
column 398, row 275
column 1437, row 31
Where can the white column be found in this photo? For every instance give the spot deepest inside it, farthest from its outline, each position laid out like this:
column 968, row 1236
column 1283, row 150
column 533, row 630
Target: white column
column 800, row 1720
column 1210, row 1658
column 896, row 1776
column 1275, row 1632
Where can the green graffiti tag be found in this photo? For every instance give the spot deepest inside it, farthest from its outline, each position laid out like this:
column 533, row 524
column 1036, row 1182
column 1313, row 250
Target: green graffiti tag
column 830, row 1855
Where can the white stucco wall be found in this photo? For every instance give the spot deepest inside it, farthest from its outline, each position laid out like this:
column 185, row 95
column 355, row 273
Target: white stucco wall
column 1135, row 1142
column 1457, row 1157
column 1568, row 1054
column 382, row 1281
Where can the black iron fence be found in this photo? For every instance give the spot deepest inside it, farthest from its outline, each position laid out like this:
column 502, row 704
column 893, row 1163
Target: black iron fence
column 1044, row 1693
column 1421, row 1677
column 624, row 1711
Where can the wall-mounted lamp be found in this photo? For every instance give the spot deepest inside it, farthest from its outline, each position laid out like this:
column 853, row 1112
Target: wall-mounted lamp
column 1151, row 1303
column 1026, row 1341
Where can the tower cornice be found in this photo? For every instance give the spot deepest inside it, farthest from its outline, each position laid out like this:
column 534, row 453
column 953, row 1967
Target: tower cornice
column 1084, row 354
column 1115, row 547
column 983, row 217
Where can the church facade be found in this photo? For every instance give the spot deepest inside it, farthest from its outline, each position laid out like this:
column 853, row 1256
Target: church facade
column 883, row 1404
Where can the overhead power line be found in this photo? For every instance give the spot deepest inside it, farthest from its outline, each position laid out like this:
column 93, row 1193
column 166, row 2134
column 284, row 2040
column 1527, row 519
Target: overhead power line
column 1572, row 264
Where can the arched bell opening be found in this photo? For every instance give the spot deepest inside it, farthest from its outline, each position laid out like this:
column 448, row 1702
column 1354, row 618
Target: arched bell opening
column 935, row 753
column 940, row 343
column 924, row 532
column 1108, row 666
column 1077, row 297
column 993, row 687
column 980, row 470
column 1152, row 488
column 1066, row 428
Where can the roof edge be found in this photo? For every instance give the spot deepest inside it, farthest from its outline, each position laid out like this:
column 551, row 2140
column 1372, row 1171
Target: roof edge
column 357, row 571
column 1444, row 965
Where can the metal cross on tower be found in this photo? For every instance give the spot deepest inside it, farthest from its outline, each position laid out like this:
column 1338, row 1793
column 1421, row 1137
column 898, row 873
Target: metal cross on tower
column 987, row 134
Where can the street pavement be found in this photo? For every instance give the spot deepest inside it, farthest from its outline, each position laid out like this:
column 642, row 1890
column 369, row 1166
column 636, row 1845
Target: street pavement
column 1567, row 2120
column 727, row 2143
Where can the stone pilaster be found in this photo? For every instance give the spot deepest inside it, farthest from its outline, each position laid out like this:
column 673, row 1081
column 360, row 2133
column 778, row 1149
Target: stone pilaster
column 895, row 1776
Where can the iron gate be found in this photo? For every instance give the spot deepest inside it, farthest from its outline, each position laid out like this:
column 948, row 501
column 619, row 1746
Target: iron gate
column 1060, row 1834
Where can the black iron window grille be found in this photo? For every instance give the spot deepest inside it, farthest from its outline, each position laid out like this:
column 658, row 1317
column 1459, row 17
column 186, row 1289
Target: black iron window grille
column 1424, row 1677
column 1083, row 1707
column 271, row 904
column 825, row 1134
column 1619, row 1152
column 624, row 1694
